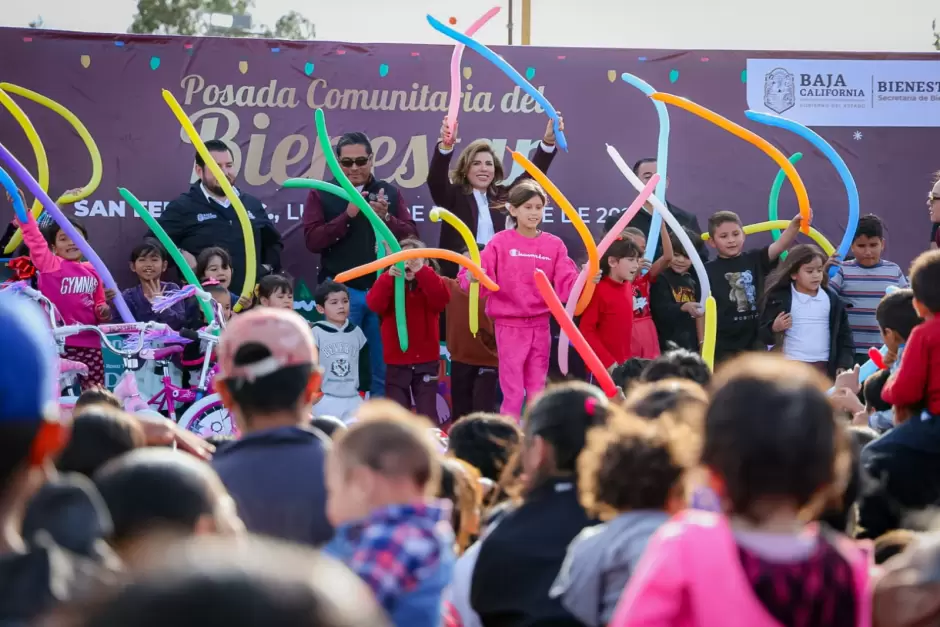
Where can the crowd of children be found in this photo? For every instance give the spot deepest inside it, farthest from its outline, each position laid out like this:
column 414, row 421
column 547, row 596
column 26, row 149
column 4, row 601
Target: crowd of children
column 746, row 497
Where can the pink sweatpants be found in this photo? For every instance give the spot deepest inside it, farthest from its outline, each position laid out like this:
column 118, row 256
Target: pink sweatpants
column 523, row 363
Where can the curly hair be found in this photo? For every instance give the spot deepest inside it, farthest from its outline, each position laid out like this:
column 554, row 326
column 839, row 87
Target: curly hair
column 633, row 464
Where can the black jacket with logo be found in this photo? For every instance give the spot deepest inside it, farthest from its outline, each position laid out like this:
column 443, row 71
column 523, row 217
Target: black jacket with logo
column 194, row 223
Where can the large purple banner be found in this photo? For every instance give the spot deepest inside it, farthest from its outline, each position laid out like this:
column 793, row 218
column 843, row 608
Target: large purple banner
column 260, row 96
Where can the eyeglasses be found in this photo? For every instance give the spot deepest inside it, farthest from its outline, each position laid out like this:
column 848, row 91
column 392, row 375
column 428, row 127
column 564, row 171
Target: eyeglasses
column 359, row 161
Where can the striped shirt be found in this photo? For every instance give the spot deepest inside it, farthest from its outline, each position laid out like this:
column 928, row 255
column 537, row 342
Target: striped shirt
column 863, row 288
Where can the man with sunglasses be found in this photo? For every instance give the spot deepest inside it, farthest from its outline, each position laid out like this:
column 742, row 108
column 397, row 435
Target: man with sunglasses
column 344, row 238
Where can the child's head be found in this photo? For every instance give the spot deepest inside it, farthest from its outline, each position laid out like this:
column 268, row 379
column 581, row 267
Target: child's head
column 100, row 433
column 622, row 260
column 96, row 395
column 153, row 493
column 386, row 457
column 149, row 260
column 684, row 400
column 60, row 243
column 726, row 233
column 803, row 269
column 872, row 391
column 221, row 295
column 869, row 240
column 637, row 237
column 332, row 301
column 556, row 425
column 631, row 464
column 488, row 442
column 526, row 204
column 460, row 484
column 678, row 363
column 413, row 265
column 897, row 317
column 214, row 264
column 628, row 373
column 276, row 290
column 681, row 263
column 772, row 445
column 925, row 282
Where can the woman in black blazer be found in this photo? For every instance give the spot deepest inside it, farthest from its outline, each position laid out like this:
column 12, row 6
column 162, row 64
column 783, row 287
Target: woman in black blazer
column 476, row 182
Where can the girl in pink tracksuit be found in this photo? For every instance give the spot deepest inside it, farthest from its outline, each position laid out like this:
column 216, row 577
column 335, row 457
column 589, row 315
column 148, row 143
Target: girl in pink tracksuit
column 775, row 453
column 520, row 316
column 74, row 287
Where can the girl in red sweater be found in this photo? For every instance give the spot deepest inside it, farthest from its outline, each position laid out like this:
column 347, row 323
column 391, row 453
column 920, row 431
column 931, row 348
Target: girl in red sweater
column 607, row 323
column 413, row 373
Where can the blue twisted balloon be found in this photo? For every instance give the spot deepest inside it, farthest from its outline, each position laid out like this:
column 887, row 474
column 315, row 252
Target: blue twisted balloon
column 14, row 193
column 662, row 159
column 848, row 181
column 509, row 71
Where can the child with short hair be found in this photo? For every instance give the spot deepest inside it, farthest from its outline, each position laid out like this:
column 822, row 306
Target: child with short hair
column 896, row 318
column 674, row 300
column 645, row 341
column 737, row 281
column 758, row 564
column 804, row 319
column 74, row 287
column 412, row 374
column 340, row 344
column 149, row 261
column 917, row 381
column 520, row 315
column 601, row 559
column 380, row 476
column 275, row 290
column 862, row 282
column 607, row 322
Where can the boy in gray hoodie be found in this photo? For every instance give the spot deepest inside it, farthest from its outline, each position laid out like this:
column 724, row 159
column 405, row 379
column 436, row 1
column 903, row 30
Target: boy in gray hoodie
column 339, row 343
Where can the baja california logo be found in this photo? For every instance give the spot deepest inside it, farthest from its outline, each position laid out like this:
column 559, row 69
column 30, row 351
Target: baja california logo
column 779, row 90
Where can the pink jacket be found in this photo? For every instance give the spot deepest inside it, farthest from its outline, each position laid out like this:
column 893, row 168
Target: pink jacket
column 73, row 286
column 691, row 576
column 511, row 259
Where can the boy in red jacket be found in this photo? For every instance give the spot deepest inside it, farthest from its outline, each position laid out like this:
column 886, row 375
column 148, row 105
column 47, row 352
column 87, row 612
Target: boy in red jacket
column 413, row 373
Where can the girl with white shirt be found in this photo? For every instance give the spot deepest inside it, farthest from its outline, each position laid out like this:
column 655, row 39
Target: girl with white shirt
column 475, row 190
column 803, row 317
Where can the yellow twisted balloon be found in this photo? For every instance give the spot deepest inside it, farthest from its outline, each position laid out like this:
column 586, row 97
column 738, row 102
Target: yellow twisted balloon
column 251, row 258
column 761, row 227
column 439, row 213
column 43, row 164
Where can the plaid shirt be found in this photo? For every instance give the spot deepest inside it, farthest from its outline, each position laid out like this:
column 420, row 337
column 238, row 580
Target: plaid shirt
column 396, row 547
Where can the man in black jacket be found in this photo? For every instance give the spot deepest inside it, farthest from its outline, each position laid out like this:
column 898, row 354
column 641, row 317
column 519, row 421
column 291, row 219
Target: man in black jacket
column 344, row 238
column 203, row 217
column 645, row 169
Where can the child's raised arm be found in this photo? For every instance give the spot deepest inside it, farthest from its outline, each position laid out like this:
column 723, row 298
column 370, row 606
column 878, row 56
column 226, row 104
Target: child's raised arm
column 381, row 296
column 40, row 253
column 433, row 288
column 787, row 238
column 663, row 262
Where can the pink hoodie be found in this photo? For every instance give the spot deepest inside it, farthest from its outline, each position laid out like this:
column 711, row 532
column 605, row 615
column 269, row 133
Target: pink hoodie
column 691, row 576
column 73, row 286
column 511, row 259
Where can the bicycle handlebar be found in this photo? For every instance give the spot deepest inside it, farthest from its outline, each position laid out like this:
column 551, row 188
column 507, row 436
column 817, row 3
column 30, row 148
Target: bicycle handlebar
column 60, row 333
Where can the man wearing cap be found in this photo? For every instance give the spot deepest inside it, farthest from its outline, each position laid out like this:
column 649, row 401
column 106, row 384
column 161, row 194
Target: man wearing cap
column 42, row 561
column 269, row 381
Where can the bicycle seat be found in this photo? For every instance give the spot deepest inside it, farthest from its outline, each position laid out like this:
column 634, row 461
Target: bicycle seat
column 163, row 353
column 67, row 366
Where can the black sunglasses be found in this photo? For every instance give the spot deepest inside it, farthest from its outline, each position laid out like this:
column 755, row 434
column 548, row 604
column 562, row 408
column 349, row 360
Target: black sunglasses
column 359, row 161
column 933, row 197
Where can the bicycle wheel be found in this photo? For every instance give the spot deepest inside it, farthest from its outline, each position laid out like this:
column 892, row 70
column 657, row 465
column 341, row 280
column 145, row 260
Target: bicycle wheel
column 207, row 417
